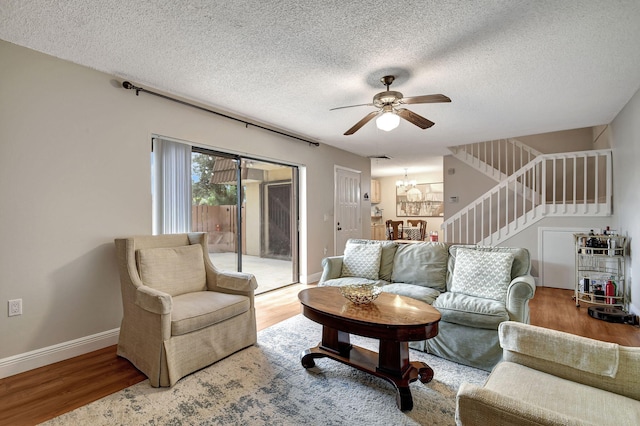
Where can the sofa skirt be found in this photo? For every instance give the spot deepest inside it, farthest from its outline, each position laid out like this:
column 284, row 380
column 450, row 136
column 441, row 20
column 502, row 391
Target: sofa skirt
column 475, row 347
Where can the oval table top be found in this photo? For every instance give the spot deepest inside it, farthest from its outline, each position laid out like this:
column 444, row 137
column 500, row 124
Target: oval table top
column 404, row 318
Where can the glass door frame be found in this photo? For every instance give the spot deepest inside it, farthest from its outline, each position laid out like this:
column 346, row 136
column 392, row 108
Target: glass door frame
column 239, row 161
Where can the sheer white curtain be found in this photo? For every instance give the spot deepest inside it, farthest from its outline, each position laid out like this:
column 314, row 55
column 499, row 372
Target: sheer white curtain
column 171, row 186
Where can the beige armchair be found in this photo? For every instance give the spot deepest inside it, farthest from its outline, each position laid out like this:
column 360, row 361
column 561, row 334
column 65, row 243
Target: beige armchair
column 548, row 377
column 180, row 313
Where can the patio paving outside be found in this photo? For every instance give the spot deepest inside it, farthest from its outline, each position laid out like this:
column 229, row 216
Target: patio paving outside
column 270, row 273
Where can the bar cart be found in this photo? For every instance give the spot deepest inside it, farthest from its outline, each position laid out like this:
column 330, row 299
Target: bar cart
column 600, row 269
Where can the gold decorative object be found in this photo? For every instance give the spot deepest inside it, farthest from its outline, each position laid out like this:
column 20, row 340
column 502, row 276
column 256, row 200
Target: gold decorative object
column 361, row 294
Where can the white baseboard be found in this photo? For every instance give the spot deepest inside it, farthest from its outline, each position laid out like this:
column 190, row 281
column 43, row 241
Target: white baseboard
column 40, row 357
column 308, row 279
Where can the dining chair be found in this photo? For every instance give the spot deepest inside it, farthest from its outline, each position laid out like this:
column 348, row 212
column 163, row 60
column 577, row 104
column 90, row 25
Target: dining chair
column 394, row 229
column 413, row 222
column 423, row 229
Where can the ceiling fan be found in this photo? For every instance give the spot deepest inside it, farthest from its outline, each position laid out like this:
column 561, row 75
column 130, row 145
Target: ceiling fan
column 388, row 102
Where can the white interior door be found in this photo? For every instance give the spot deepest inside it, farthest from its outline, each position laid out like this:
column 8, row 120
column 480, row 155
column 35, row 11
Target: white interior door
column 558, row 258
column 348, row 220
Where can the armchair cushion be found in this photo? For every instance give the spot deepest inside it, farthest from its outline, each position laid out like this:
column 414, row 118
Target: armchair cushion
column 482, row 274
column 361, row 260
column 194, row 311
column 471, row 311
column 172, row 270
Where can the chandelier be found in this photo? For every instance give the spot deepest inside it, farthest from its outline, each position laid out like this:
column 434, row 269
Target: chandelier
column 409, row 186
column 406, row 184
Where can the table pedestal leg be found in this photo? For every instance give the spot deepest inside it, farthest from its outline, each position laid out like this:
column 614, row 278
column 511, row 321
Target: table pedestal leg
column 394, row 365
column 334, row 342
column 390, row 363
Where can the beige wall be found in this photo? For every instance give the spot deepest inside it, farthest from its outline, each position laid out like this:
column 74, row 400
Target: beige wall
column 563, row 141
column 601, row 136
column 75, row 174
column 625, row 130
column 463, row 182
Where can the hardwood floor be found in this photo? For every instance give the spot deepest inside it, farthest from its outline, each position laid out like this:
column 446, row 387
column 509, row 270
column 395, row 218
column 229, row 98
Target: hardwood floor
column 41, row 394
column 554, row 308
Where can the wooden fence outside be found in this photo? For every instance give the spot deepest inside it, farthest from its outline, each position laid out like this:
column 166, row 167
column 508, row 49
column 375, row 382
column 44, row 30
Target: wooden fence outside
column 221, row 225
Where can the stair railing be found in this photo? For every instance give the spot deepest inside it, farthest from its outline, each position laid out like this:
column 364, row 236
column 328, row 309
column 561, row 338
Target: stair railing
column 497, row 158
column 563, row 184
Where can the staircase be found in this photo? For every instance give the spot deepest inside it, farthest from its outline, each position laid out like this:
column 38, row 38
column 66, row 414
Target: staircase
column 544, row 185
column 497, row 159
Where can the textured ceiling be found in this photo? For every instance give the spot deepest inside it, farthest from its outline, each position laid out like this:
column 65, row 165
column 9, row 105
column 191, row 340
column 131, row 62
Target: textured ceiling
column 511, row 68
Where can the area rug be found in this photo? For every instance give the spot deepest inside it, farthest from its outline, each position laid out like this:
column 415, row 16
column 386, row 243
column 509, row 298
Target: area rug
column 267, row 385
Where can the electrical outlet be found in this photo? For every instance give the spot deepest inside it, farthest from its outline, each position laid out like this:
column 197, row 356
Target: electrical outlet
column 15, row 307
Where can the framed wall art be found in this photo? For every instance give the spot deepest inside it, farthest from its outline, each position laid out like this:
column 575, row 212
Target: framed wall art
column 420, row 200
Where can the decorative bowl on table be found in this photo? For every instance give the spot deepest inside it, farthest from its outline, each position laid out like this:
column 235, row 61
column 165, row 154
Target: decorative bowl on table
column 361, row 294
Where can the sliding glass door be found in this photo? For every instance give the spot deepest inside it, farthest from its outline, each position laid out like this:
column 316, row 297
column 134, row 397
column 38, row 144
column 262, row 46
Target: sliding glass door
column 249, row 209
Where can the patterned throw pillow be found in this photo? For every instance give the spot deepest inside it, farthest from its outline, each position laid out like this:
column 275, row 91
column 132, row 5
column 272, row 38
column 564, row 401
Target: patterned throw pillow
column 361, row 260
column 482, row 274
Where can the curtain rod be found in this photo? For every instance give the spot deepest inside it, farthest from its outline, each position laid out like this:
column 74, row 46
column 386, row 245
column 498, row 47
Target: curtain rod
column 129, row 86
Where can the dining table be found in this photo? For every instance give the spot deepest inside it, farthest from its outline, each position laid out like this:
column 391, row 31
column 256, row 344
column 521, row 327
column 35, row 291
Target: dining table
column 409, row 233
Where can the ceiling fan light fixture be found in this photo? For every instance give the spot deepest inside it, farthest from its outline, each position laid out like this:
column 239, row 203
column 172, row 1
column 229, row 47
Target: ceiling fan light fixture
column 390, row 110
column 387, row 121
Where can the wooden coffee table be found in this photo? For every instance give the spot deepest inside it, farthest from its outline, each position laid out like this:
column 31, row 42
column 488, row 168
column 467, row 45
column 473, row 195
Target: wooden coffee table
column 394, row 320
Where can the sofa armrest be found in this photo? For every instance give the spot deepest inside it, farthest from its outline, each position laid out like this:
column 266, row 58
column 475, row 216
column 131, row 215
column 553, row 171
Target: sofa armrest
column 520, row 291
column 331, row 268
column 480, row 406
column 152, row 300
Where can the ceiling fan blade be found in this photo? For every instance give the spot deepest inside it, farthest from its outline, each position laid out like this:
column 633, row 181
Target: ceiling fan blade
column 349, row 106
column 425, row 99
column 414, row 118
column 361, row 123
